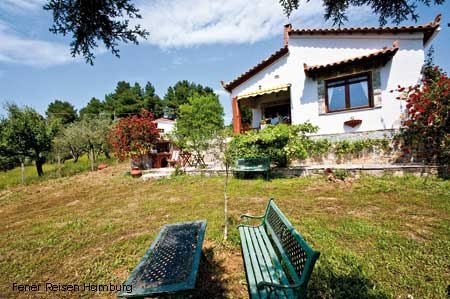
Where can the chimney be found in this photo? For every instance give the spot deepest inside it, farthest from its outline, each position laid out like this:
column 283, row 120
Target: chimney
column 287, row 28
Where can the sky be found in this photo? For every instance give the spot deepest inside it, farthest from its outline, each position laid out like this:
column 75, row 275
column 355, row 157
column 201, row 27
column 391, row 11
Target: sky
column 197, row 40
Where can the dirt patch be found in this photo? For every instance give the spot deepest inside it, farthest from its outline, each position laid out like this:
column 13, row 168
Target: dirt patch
column 221, row 273
column 366, row 212
column 326, row 198
column 72, row 203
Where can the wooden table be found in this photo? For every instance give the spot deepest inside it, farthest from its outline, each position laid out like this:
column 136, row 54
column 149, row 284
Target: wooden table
column 185, row 159
column 169, row 267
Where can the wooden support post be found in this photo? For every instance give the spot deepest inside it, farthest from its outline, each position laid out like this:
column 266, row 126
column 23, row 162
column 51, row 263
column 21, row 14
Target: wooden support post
column 237, row 118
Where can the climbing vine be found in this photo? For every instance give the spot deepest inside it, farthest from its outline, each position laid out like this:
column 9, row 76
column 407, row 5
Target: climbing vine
column 284, row 143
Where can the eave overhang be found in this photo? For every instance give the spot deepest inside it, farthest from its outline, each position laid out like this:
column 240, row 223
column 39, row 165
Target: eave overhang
column 255, row 70
column 381, row 57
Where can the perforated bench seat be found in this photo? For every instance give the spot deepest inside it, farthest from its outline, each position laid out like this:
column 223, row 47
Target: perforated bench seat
column 278, row 262
column 251, row 168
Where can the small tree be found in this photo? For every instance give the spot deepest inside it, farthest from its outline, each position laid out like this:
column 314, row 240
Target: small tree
column 199, row 122
column 227, row 159
column 71, row 139
column 134, row 136
column 26, row 134
column 94, row 135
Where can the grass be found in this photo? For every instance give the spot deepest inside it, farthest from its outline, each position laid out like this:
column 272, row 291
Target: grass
column 379, row 237
column 14, row 176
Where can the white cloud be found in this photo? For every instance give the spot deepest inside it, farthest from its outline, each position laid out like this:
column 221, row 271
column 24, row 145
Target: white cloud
column 22, row 6
column 184, row 23
column 21, row 50
column 221, row 92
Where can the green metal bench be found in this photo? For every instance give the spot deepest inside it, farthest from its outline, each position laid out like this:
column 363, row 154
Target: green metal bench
column 245, row 165
column 169, row 267
column 278, row 262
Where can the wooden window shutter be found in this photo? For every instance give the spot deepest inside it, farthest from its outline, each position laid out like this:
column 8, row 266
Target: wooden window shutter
column 321, row 94
column 376, row 86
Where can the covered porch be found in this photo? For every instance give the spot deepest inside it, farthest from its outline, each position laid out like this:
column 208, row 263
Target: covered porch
column 271, row 105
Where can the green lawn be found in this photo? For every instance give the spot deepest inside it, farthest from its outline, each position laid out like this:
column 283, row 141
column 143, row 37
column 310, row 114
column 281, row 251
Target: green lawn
column 379, row 237
column 14, row 177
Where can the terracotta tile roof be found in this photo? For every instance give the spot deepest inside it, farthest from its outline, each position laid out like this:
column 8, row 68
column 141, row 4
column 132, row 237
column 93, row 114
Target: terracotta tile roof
column 254, row 70
column 427, row 29
column 384, row 54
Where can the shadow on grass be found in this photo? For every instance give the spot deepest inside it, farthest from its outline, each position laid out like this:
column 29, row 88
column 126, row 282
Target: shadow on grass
column 209, row 284
column 251, row 175
column 326, row 284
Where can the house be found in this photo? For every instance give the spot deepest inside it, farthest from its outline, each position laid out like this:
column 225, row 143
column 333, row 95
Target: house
column 165, row 125
column 338, row 79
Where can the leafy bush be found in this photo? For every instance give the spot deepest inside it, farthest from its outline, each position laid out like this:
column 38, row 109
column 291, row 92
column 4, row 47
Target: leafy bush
column 427, row 125
column 134, row 136
column 281, row 143
column 343, row 147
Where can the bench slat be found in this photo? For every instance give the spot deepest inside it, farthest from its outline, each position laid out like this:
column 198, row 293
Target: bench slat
column 275, row 274
column 248, row 262
column 262, row 263
column 255, row 264
column 277, row 265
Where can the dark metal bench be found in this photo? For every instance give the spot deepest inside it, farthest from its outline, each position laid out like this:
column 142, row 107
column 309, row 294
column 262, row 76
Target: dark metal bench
column 244, row 165
column 169, row 267
column 278, row 262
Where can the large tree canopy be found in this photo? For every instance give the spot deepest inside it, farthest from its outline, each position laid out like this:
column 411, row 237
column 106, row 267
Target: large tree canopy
column 396, row 11
column 153, row 102
column 62, row 110
column 125, row 100
column 93, row 108
column 180, row 93
column 92, row 21
column 26, row 134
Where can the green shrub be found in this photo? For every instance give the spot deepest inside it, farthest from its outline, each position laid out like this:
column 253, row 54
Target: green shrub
column 281, row 143
column 343, row 147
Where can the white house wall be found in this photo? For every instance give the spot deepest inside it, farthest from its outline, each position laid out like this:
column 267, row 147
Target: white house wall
column 404, row 69
column 166, row 126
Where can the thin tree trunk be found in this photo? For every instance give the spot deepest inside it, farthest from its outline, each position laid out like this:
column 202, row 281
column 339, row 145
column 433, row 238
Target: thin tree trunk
column 225, row 210
column 91, row 156
column 22, row 166
column 106, row 152
column 39, row 167
column 59, row 165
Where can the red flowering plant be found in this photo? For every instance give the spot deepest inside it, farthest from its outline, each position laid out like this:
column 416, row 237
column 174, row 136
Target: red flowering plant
column 426, row 127
column 134, row 136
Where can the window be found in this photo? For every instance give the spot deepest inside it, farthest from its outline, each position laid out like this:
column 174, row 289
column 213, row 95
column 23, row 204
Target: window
column 352, row 92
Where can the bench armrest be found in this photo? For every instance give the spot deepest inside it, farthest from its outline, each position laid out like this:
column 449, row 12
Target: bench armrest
column 244, row 216
column 263, row 284
column 247, row 218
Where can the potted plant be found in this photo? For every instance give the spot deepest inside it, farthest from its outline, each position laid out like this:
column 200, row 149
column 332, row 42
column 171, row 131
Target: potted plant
column 264, row 123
